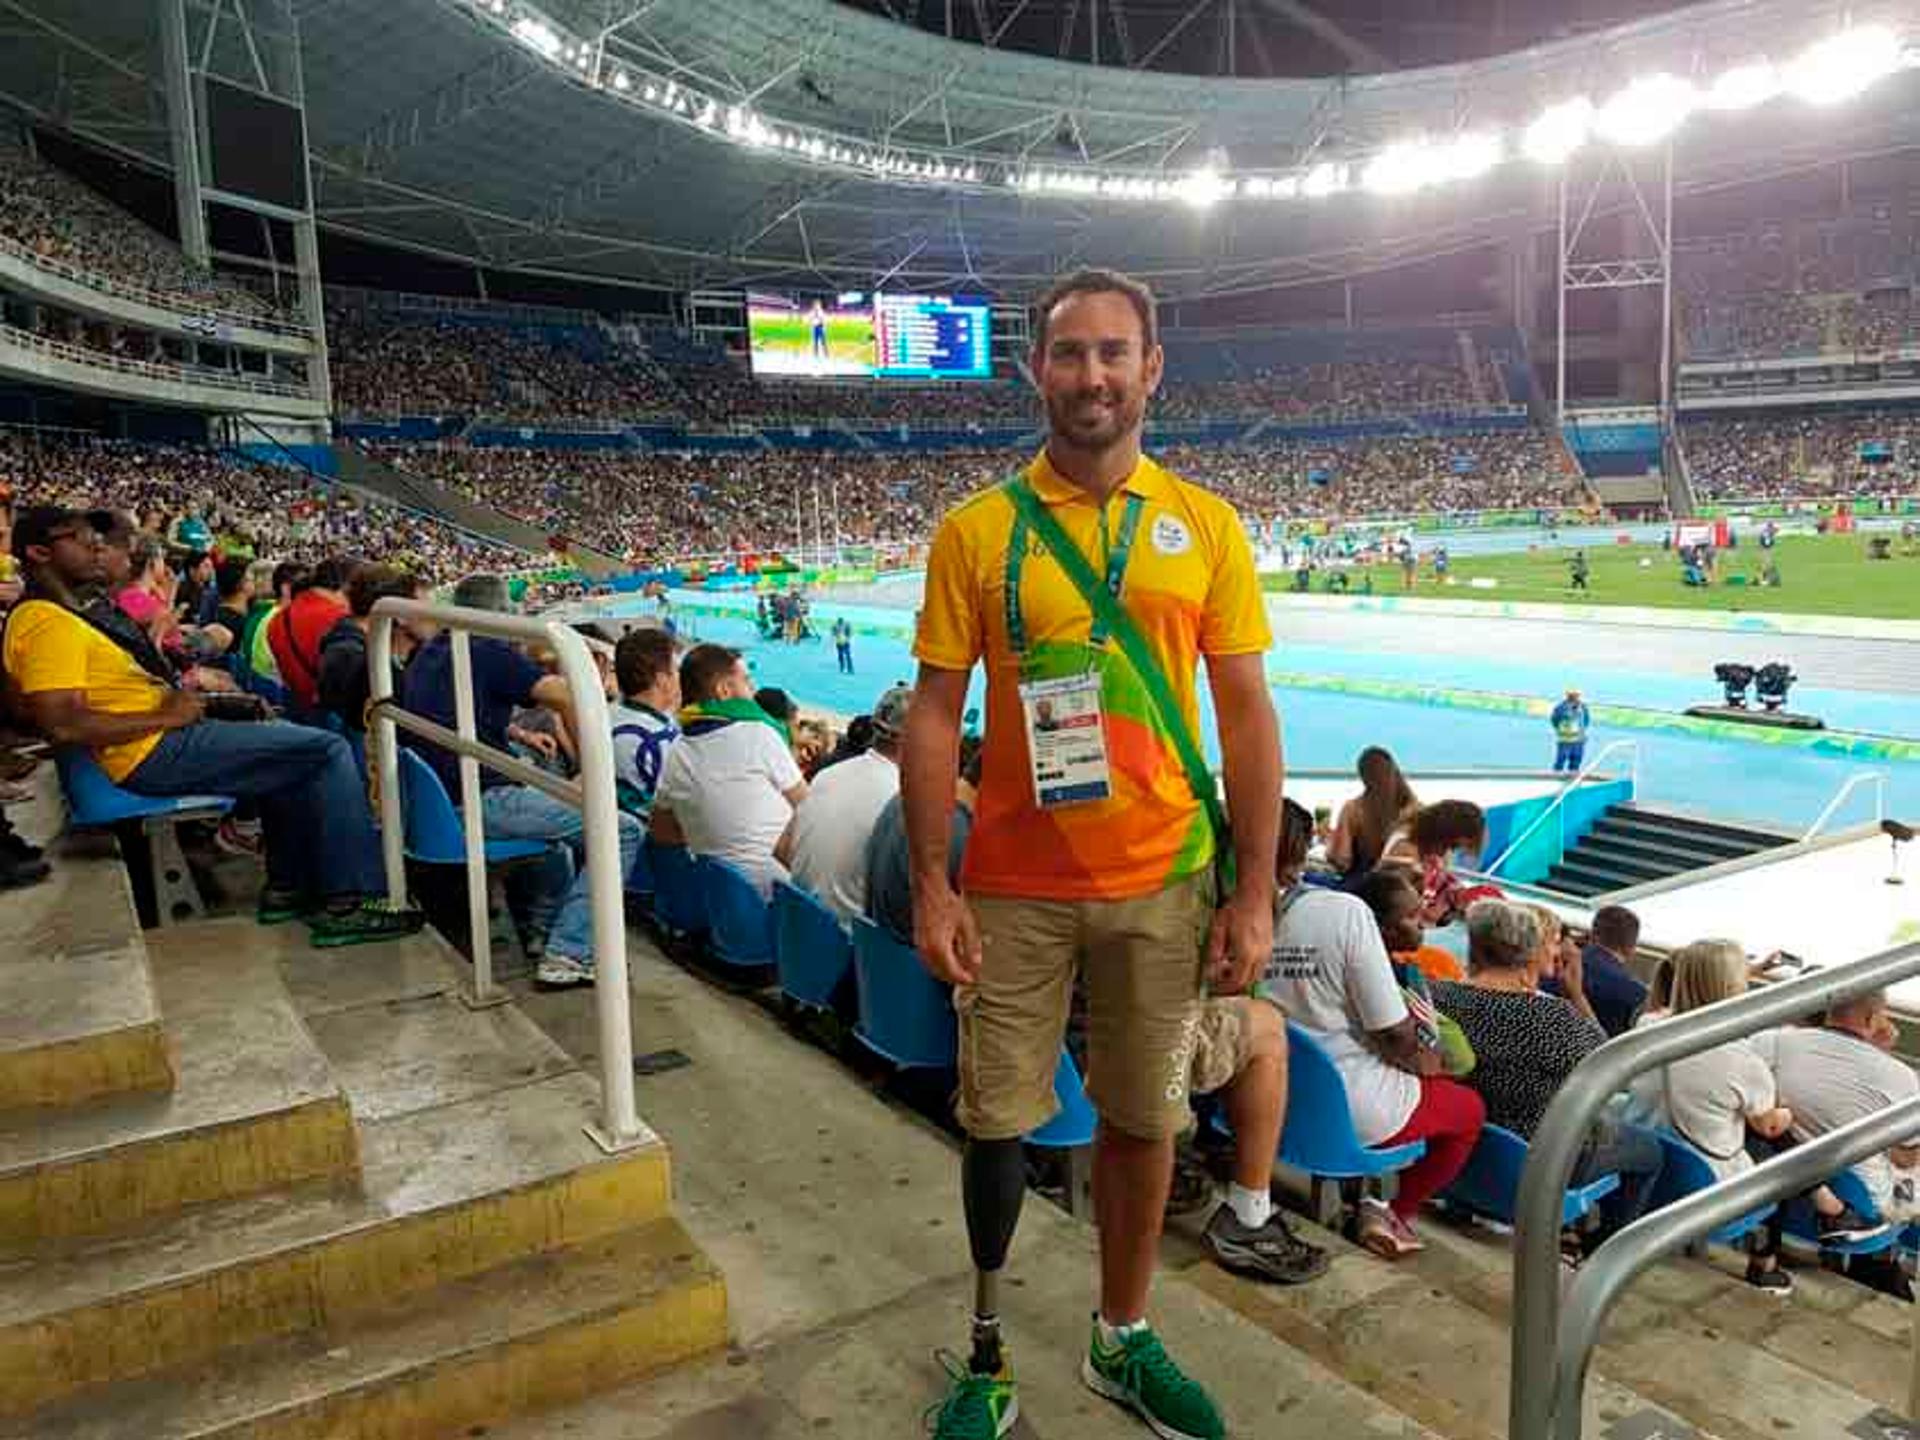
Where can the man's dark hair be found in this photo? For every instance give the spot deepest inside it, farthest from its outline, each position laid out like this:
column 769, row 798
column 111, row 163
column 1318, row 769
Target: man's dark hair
column 777, row 703
column 1616, row 928
column 373, row 583
column 1097, row 282
column 332, row 573
column 972, row 759
column 702, row 670
column 290, row 576
column 1380, row 887
column 231, row 576
column 1296, row 834
column 642, row 657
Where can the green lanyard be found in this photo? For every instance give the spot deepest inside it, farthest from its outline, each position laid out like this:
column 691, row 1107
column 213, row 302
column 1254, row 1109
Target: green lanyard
column 1118, row 551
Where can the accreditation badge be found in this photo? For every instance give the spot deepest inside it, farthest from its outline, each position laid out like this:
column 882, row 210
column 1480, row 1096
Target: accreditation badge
column 1066, row 742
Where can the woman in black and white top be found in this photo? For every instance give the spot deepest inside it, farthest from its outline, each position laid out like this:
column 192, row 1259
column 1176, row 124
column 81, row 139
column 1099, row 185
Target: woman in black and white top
column 1525, row 1044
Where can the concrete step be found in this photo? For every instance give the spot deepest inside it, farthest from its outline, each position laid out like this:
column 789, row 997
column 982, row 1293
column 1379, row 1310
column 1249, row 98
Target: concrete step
column 1691, row 1339
column 255, row 1107
column 78, row 1017
column 466, row 1355
column 446, row 1192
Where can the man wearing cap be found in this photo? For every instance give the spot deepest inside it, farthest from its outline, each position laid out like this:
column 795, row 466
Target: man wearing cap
column 825, row 844
column 104, row 688
column 1570, row 721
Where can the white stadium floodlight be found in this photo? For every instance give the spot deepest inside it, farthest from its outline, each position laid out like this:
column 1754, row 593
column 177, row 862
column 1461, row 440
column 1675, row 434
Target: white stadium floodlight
column 1841, row 66
column 1558, row 132
column 1326, row 178
column 1743, row 87
column 621, row 82
column 536, row 35
column 1204, row 187
column 1399, row 169
column 1645, row 112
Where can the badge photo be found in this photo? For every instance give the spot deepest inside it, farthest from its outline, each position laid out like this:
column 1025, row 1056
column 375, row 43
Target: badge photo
column 1171, row 536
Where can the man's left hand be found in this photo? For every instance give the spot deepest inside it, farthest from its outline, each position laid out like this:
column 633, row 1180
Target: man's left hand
column 1239, row 943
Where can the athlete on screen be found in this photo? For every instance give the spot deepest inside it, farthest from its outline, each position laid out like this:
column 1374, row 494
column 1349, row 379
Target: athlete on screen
column 817, row 326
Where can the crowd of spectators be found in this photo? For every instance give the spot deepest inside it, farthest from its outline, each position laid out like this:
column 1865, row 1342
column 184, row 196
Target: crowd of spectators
column 1332, row 389
column 60, row 219
column 1804, row 454
column 391, row 365
column 210, row 499
column 657, row 507
column 1839, row 284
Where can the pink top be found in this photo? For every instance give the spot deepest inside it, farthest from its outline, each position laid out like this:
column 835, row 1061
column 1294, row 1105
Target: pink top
column 138, row 603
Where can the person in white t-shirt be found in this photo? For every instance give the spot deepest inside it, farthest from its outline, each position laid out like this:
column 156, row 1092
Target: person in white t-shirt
column 643, row 724
column 825, row 844
column 1331, row 974
column 730, row 783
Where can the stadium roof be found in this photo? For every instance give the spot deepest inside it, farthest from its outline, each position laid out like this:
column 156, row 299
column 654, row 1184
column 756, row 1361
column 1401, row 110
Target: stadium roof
column 432, row 125
column 1263, row 38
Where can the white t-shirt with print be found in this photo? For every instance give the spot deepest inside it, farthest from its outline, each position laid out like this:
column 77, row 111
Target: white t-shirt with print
column 727, row 788
column 832, row 826
column 1828, row 1078
column 1330, row 973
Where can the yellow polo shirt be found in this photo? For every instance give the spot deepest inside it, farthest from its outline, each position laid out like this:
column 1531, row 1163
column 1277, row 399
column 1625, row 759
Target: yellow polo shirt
column 1191, row 590
column 50, row 648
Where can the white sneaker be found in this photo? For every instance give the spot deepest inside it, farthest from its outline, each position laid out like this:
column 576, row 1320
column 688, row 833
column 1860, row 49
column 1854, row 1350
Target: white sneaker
column 562, row 972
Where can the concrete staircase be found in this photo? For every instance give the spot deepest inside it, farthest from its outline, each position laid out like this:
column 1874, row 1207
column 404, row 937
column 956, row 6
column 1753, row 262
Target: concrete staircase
column 252, row 1189
column 401, row 487
column 1633, row 845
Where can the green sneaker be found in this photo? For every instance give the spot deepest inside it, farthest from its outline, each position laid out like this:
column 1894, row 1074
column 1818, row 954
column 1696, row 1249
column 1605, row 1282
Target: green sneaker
column 977, row 1407
column 365, row 923
column 279, row 907
column 1139, row 1374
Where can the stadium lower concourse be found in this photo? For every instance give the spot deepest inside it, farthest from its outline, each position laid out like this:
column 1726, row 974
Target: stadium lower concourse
column 874, row 718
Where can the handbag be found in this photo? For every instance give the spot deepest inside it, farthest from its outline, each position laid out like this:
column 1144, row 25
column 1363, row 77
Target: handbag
column 1117, row 623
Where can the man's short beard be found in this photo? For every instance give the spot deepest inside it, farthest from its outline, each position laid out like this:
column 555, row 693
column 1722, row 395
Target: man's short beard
column 1125, row 419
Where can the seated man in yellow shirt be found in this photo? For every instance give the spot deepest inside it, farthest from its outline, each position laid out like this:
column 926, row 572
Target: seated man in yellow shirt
column 84, row 681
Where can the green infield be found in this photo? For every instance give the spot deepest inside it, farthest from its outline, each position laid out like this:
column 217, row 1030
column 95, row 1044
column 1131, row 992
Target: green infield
column 1819, row 575
column 849, row 337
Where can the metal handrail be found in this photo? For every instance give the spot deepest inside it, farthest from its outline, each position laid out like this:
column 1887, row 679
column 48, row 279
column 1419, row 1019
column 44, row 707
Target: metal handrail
column 1560, row 800
column 149, row 369
column 1853, row 782
column 1549, row 1364
column 619, row 1127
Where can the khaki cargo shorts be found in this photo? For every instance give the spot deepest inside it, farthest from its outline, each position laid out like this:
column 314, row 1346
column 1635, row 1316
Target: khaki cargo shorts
column 1142, row 960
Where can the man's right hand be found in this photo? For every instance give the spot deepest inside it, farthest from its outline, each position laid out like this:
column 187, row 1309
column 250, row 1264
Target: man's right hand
column 181, row 709
column 945, row 934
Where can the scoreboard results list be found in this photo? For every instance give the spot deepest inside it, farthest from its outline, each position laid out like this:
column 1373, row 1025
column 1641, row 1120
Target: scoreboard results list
column 931, row 337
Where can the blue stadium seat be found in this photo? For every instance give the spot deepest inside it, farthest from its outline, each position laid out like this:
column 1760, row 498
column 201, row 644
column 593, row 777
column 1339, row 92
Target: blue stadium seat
column 1074, row 1123
column 1490, row 1183
column 1319, row 1136
column 163, row 884
column 906, row 1015
column 1686, row 1171
column 95, row 803
column 434, row 834
column 1799, row 1222
column 679, row 899
column 810, row 947
column 741, row 922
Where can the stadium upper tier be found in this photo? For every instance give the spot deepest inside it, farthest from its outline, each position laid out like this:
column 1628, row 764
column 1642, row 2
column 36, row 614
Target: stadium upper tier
column 58, row 220
column 1826, row 284
column 396, row 364
column 270, row 511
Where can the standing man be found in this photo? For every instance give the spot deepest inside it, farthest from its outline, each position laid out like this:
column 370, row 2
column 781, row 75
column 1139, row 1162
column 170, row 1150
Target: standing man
column 1090, row 850
column 1578, row 570
column 843, row 644
column 1570, row 720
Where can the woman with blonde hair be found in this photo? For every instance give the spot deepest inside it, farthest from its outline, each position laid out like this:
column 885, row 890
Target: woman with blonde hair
column 1714, row 1100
